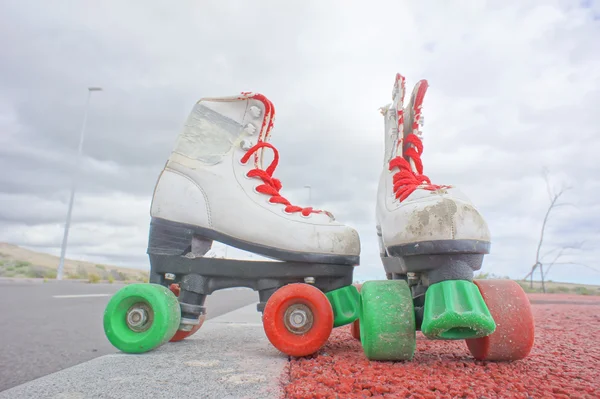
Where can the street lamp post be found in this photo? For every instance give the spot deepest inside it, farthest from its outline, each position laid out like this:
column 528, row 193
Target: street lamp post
column 61, row 264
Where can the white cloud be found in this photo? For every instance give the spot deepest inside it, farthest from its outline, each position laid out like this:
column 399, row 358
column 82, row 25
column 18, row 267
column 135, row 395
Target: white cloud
column 514, row 87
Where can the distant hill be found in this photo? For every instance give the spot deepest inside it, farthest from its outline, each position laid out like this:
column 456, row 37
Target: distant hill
column 23, row 263
column 555, row 287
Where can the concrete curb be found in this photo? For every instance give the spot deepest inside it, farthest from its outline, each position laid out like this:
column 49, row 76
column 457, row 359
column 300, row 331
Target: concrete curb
column 229, row 357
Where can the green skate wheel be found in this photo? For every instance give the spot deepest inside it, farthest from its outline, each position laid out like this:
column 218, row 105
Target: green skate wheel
column 387, row 320
column 141, row 317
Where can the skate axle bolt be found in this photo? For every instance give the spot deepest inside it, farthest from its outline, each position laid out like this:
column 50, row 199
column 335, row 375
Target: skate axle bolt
column 137, row 318
column 169, row 276
column 309, row 280
column 412, row 278
column 298, row 319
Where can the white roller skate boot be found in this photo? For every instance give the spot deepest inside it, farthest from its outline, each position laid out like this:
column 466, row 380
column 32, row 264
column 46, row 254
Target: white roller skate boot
column 214, row 188
column 214, row 183
column 430, row 235
column 415, row 216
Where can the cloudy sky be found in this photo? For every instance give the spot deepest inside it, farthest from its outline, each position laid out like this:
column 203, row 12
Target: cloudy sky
column 514, row 87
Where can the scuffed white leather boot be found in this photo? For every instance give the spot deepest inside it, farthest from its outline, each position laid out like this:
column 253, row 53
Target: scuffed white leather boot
column 431, row 240
column 214, row 187
column 418, row 221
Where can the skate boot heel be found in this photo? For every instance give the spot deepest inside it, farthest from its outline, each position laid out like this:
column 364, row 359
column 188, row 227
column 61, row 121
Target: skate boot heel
column 175, row 239
column 344, row 302
column 455, row 309
column 168, row 238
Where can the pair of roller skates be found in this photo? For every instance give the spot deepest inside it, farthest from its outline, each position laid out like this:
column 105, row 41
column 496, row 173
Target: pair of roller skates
column 214, row 187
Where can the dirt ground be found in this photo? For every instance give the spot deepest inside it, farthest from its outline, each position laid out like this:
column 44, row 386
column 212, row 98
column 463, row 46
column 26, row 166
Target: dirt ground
column 20, row 262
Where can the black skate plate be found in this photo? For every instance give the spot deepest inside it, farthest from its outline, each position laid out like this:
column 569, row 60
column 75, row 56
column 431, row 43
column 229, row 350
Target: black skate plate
column 440, row 260
column 248, row 269
column 440, row 247
column 438, row 267
column 174, row 238
column 263, row 276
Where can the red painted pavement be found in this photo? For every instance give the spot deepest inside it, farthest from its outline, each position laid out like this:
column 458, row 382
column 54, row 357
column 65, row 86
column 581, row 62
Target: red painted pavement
column 564, row 363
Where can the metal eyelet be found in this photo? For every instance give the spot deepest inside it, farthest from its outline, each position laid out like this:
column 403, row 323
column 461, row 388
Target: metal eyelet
column 250, row 129
column 246, row 145
column 255, row 111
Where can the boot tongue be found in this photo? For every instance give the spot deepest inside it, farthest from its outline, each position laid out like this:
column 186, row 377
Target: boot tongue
column 394, row 119
column 266, row 137
column 408, row 129
column 400, row 120
column 413, row 118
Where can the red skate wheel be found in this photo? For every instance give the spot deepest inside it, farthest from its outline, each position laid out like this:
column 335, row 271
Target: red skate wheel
column 355, row 327
column 181, row 335
column 298, row 319
column 175, row 289
column 511, row 310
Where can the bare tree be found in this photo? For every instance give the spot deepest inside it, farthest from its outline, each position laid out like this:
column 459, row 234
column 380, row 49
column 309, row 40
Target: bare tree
column 539, row 261
column 576, row 246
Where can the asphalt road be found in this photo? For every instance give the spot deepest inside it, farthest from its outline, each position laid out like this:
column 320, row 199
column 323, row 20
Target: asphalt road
column 41, row 333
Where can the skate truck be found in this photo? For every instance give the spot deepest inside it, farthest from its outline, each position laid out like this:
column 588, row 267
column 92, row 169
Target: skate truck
column 214, row 188
column 432, row 240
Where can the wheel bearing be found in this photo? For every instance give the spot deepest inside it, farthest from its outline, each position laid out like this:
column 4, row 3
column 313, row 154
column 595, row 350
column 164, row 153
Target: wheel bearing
column 139, row 317
column 298, row 319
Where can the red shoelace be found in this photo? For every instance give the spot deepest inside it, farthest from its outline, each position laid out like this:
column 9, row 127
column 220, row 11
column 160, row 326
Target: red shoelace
column 406, row 180
column 272, row 185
